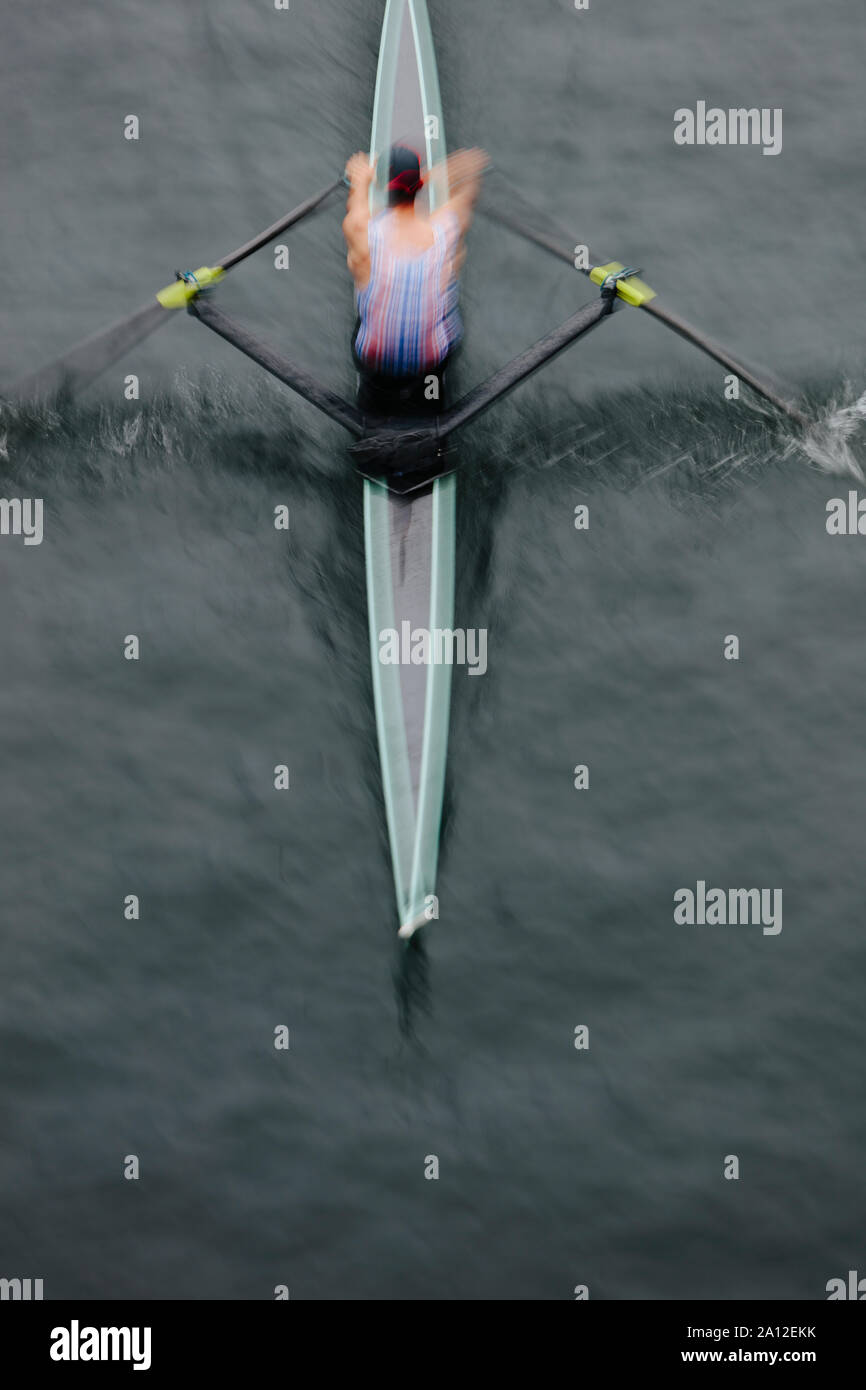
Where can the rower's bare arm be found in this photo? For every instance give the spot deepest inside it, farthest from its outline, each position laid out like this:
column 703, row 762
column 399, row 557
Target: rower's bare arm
column 465, row 172
column 360, row 173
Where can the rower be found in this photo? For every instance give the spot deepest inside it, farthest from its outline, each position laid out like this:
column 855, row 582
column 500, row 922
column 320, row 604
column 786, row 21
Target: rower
column 405, row 265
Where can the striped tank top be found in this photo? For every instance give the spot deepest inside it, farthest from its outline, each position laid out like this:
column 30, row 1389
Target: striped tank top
column 409, row 322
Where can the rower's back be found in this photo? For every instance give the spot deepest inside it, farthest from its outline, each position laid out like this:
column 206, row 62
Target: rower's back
column 405, row 264
column 409, row 319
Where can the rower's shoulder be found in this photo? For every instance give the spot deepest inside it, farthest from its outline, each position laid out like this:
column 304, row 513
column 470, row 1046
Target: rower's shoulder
column 447, row 217
column 445, row 214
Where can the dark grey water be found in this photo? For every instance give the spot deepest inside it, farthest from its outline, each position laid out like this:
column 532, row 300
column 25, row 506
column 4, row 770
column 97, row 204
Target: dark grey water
column 261, row 909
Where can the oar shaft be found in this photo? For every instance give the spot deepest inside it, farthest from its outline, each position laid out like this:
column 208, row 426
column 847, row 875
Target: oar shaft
column 762, row 385
column 78, row 367
column 771, row 391
column 290, row 220
column 547, row 242
column 84, row 362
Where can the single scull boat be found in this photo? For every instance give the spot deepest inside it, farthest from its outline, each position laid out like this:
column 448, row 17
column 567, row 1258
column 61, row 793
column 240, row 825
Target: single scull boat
column 409, row 485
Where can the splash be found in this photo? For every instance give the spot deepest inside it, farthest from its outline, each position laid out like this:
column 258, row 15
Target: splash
column 833, row 442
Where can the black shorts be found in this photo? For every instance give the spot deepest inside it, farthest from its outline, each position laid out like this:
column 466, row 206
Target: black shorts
column 382, row 394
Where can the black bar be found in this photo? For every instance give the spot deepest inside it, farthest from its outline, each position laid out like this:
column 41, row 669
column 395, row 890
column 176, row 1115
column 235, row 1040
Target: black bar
column 290, row 220
column 307, row 386
column 509, row 376
column 206, row 1339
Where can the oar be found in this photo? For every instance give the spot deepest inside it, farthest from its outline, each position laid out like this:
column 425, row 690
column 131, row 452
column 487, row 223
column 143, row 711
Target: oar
column 638, row 294
column 83, row 363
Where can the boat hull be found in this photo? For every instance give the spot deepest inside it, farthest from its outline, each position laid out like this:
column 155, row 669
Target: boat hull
column 410, row 540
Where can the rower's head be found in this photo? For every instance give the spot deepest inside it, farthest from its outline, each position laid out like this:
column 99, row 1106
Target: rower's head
column 404, row 176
